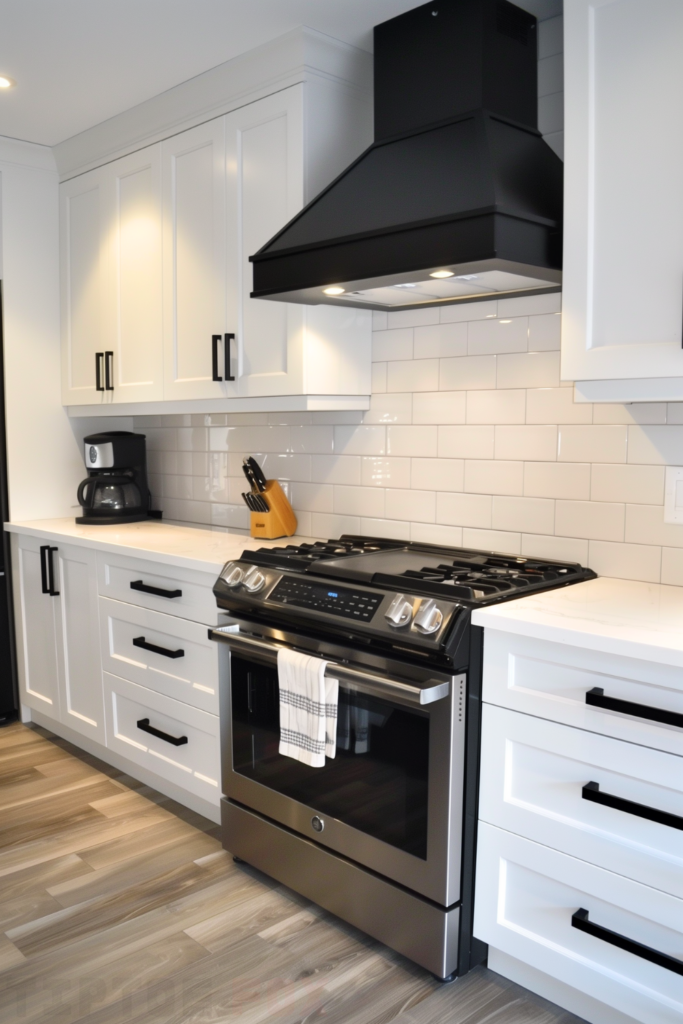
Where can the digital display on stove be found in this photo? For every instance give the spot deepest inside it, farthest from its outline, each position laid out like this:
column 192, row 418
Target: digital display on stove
column 350, row 604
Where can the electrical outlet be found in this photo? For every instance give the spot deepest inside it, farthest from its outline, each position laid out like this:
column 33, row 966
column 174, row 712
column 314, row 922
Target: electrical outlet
column 673, row 495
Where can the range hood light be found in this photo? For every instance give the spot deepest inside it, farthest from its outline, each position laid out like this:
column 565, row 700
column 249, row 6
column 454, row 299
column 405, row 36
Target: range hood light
column 334, row 290
column 442, row 273
column 6, row 82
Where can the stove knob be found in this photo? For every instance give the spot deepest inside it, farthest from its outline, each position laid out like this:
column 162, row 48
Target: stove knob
column 254, row 580
column 428, row 617
column 400, row 611
column 232, row 575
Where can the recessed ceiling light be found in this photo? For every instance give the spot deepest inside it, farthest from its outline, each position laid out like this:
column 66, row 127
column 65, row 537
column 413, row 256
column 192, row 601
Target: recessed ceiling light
column 442, row 273
column 334, row 290
column 6, row 83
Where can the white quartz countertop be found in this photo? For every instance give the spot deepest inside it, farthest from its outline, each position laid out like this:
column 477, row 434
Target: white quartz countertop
column 187, row 546
column 639, row 620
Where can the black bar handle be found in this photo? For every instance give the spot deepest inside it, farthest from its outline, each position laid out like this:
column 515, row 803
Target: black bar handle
column 51, row 573
column 157, row 591
column 99, row 356
column 596, row 698
column 227, row 338
column 139, row 641
column 671, row 963
column 177, row 741
column 108, row 371
column 215, row 338
column 591, row 791
column 44, row 548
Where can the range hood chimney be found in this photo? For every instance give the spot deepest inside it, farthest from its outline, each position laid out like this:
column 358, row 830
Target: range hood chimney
column 458, row 199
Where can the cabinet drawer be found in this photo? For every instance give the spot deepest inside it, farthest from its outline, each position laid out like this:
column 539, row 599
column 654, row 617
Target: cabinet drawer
column 167, row 654
column 552, row 681
column 526, row 896
column 183, row 592
column 534, row 783
column 193, row 764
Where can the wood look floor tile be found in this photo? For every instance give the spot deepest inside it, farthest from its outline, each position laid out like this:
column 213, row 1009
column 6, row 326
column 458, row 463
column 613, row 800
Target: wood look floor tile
column 10, row 956
column 41, row 876
column 163, row 829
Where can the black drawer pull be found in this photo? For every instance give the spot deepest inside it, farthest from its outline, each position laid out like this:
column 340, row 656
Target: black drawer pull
column 47, row 570
column 139, row 641
column 591, row 791
column 157, row 591
column 177, row 741
column 596, row 697
column 671, row 963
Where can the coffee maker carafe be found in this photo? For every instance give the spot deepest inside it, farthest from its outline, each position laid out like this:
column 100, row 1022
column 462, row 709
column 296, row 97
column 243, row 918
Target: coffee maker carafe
column 115, row 490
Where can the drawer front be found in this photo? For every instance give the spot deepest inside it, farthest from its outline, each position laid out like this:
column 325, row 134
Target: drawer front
column 526, row 897
column 552, row 681
column 184, row 664
column 540, row 782
column 183, row 592
column 194, row 764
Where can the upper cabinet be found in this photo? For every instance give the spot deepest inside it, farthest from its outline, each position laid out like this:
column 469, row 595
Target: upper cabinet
column 622, row 332
column 156, row 274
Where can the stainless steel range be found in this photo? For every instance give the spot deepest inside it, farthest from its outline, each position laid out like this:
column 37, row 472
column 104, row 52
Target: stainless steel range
column 384, row 834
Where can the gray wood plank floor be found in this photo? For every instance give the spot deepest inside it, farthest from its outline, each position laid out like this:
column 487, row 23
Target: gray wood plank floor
column 117, row 905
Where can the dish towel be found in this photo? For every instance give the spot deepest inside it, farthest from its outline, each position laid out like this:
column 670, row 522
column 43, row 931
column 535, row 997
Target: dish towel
column 308, row 708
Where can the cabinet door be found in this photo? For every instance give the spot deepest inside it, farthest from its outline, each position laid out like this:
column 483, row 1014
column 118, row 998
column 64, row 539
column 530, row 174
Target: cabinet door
column 82, row 212
column 265, row 177
column 623, row 250
column 35, row 619
column 194, row 277
column 78, row 641
column 133, row 264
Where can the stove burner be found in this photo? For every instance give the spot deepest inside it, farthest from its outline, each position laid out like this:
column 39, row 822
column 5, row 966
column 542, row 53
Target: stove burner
column 494, row 577
column 300, row 556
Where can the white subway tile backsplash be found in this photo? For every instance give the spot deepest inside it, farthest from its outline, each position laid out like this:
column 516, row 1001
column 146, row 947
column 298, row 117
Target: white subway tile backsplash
column 551, row 113
column 413, row 375
column 625, row 561
column 357, row 501
column 530, row 305
column 419, row 506
column 440, row 341
column 316, row 440
column 592, row 444
column 360, row 440
column 467, row 373
column 556, row 405
column 439, row 407
column 551, row 75
column 544, row 332
column 378, row 378
column 390, row 408
column 476, row 442
column 413, row 317
column 529, row 370
column 530, row 444
column 332, row 526
column 645, row 525
column 496, row 406
column 639, row 412
column 488, row 477
column 390, row 345
column 655, row 446
column 642, row 485
column 437, row 474
column 464, row 509
column 395, row 529
column 377, row 471
column 567, row 549
column 379, row 320
column 557, row 480
column 593, row 520
column 436, row 533
column 416, row 440
column 533, row 515
column 493, row 540
column 311, row 497
column 336, row 469
column 510, row 334
column 672, row 566
column 550, row 37
column 464, row 312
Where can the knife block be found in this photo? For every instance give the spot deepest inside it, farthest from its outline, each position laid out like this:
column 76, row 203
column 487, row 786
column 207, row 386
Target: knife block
column 280, row 521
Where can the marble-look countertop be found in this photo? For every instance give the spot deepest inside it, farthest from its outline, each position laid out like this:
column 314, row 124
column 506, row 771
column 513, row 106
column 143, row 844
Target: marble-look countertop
column 639, row 620
column 186, row 546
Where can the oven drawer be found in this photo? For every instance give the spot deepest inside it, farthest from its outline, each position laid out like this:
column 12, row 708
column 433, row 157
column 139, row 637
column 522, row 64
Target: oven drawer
column 555, row 681
column 526, row 898
column 170, row 655
column 183, row 592
column 193, row 763
column 540, row 782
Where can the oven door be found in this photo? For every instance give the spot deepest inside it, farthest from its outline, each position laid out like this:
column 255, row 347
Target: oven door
column 391, row 798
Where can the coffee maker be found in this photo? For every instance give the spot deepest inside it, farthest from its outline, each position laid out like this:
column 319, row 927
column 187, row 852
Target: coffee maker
column 115, row 490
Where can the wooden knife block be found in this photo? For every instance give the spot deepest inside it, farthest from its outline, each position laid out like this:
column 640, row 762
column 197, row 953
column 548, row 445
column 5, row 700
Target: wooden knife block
column 280, row 521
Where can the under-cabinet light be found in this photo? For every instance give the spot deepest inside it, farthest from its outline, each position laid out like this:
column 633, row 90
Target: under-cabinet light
column 334, row 290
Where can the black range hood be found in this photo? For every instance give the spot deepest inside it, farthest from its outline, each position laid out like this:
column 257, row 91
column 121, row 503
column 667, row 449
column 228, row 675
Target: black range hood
column 458, row 199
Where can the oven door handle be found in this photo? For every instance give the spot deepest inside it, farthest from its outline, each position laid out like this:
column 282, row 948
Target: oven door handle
column 370, row 682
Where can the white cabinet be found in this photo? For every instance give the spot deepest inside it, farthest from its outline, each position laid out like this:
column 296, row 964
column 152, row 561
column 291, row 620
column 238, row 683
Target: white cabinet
column 623, row 235
column 58, row 634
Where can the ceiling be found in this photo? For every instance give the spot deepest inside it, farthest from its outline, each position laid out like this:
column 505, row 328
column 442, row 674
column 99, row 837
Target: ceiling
column 78, row 62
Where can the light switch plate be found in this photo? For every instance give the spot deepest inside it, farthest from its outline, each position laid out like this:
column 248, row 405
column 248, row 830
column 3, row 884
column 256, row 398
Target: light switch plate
column 673, row 495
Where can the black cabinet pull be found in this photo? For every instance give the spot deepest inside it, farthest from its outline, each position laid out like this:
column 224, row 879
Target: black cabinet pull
column 99, row 356
column 157, row 591
column 51, row 573
column 596, row 698
column 671, row 963
column 591, row 791
column 227, row 338
column 44, row 548
column 215, row 338
column 139, row 641
column 108, row 371
column 177, row 741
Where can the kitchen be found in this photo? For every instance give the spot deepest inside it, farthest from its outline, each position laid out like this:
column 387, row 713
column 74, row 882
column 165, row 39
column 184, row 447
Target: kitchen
column 539, row 430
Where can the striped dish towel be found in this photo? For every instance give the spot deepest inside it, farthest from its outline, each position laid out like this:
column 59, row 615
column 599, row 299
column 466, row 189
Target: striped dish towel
column 308, row 708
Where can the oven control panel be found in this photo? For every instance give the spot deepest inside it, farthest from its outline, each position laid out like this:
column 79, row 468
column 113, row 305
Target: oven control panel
column 344, row 601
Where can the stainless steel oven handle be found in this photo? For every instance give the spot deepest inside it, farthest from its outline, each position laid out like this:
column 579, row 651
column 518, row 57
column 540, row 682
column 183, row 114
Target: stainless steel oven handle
column 370, row 682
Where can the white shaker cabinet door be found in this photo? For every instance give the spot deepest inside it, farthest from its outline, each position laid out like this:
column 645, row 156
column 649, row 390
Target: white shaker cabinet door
column 623, row 241
column 82, row 273
column 78, row 641
column 265, row 189
column 35, row 626
column 194, row 264
column 133, row 276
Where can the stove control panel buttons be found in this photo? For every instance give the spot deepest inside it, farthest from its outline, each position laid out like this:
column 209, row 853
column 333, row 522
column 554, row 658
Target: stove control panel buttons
column 232, row 575
column 428, row 617
column 400, row 611
column 254, row 580
column 317, row 824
